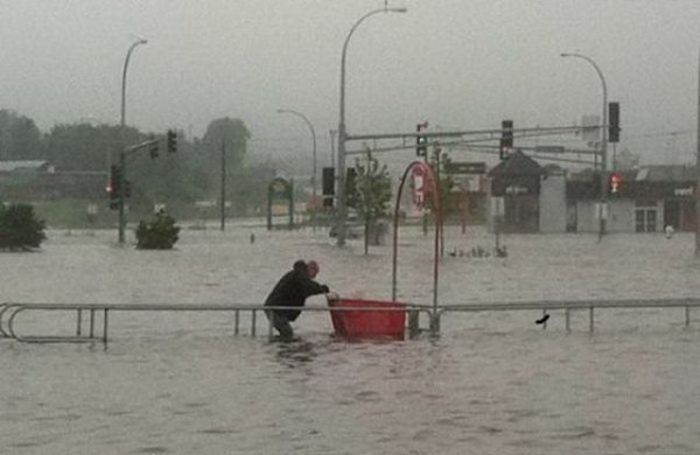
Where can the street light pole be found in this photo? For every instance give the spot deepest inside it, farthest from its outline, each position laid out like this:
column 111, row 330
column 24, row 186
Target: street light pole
column 603, row 146
column 342, row 207
column 122, row 182
column 697, row 172
column 313, row 174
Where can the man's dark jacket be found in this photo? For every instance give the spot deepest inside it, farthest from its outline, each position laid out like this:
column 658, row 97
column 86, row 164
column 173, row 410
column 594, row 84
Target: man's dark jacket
column 293, row 289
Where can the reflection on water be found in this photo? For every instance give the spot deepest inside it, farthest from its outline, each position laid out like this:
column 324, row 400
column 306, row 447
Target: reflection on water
column 294, row 353
column 492, row 383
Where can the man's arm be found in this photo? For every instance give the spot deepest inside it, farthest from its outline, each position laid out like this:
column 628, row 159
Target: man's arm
column 311, row 287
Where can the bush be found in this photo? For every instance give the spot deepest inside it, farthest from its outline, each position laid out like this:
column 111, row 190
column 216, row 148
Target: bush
column 20, row 229
column 159, row 234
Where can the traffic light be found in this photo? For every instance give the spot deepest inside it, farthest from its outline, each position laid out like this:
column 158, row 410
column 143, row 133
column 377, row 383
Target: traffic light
column 615, row 182
column 115, row 176
column 506, row 139
column 172, row 141
column 328, row 186
column 153, row 150
column 421, row 141
column 614, row 120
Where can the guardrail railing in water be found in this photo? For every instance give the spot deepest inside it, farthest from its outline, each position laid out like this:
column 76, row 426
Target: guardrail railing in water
column 9, row 313
column 567, row 306
column 96, row 313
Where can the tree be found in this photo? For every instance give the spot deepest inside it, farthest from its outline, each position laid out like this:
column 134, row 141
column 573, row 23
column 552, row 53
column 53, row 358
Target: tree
column 158, row 234
column 20, row 139
column 231, row 132
column 86, row 147
column 20, row 229
column 440, row 162
column 371, row 197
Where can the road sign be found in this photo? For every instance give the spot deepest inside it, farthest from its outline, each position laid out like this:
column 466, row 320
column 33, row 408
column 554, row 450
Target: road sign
column 466, row 167
column 549, row 149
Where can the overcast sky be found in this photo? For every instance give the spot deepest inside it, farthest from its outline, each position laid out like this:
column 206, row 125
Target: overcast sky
column 460, row 64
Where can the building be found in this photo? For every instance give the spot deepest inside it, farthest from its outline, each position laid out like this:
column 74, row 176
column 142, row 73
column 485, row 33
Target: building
column 645, row 200
column 516, row 184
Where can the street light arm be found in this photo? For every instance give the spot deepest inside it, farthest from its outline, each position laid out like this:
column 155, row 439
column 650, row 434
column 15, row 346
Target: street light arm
column 340, row 193
column 126, row 65
column 604, row 140
column 345, row 49
column 595, row 66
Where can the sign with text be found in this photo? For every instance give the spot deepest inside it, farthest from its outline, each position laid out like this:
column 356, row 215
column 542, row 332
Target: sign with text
column 466, row 167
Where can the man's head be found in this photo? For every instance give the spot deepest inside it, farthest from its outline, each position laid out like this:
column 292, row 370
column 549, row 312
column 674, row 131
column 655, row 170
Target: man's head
column 313, row 268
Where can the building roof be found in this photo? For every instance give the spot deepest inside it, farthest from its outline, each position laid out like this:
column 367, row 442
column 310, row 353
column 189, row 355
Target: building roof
column 667, row 173
column 517, row 164
column 9, row 166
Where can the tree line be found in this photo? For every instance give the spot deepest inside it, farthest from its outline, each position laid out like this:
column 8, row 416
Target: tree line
column 191, row 174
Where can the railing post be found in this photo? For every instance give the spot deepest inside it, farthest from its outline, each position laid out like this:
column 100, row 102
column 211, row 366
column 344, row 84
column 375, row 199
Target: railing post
column 104, row 328
column 434, row 324
column 236, row 322
column 590, row 328
column 92, row 323
column 252, row 328
column 687, row 316
column 413, row 323
column 567, row 318
column 79, row 322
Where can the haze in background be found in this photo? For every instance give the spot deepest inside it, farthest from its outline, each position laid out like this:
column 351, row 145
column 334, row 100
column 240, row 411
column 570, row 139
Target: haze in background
column 459, row 64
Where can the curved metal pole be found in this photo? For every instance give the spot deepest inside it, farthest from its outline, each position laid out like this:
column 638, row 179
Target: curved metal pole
column 313, row 137
column 122, row 183
column 438, row 230
column 342, row 207
column 126, row 65
column 604, row 139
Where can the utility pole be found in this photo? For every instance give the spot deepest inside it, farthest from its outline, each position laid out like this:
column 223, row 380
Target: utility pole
column 697, row 174
column 223, row 184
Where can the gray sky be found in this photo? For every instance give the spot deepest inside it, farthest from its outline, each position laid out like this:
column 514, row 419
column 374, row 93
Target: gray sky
column 460, row 64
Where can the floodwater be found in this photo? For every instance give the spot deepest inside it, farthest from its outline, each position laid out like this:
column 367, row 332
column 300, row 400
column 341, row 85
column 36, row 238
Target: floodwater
column 491, row 383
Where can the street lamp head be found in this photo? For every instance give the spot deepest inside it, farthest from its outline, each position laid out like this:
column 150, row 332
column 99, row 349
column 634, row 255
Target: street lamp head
column 143, row 41
column 281, row 111
column 564, row 54
column 402, row 9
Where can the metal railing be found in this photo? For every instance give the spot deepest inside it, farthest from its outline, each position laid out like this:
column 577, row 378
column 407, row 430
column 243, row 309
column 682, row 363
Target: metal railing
column 96, row 313
column 568, row 305
column 10, row 311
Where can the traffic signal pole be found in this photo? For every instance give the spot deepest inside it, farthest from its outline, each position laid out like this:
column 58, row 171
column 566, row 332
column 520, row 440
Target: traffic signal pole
column 171, row 145
column 122, row 194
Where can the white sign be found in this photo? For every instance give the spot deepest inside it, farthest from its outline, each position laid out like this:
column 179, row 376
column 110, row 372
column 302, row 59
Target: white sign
column 516, row 190
column 601, row 211
column 498, row 206
column 683, row 191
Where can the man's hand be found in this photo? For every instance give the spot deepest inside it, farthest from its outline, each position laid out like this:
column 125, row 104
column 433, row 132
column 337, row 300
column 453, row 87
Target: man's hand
column 332, row 296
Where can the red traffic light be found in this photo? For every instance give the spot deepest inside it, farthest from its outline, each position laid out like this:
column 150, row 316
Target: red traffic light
column 615, row 182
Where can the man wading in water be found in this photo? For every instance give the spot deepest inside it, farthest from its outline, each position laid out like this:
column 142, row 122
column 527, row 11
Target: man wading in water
column 292, row 290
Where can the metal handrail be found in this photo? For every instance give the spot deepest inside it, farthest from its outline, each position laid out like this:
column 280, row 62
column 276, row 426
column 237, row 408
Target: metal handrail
column 573, row 304
column 567, row 306
column 14, row 309
column 110, row 307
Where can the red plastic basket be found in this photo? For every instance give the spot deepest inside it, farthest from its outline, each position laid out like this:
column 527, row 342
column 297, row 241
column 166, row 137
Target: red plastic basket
column 368, row 324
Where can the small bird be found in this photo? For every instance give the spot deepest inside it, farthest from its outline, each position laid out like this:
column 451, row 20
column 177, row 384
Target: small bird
column 543, row 319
